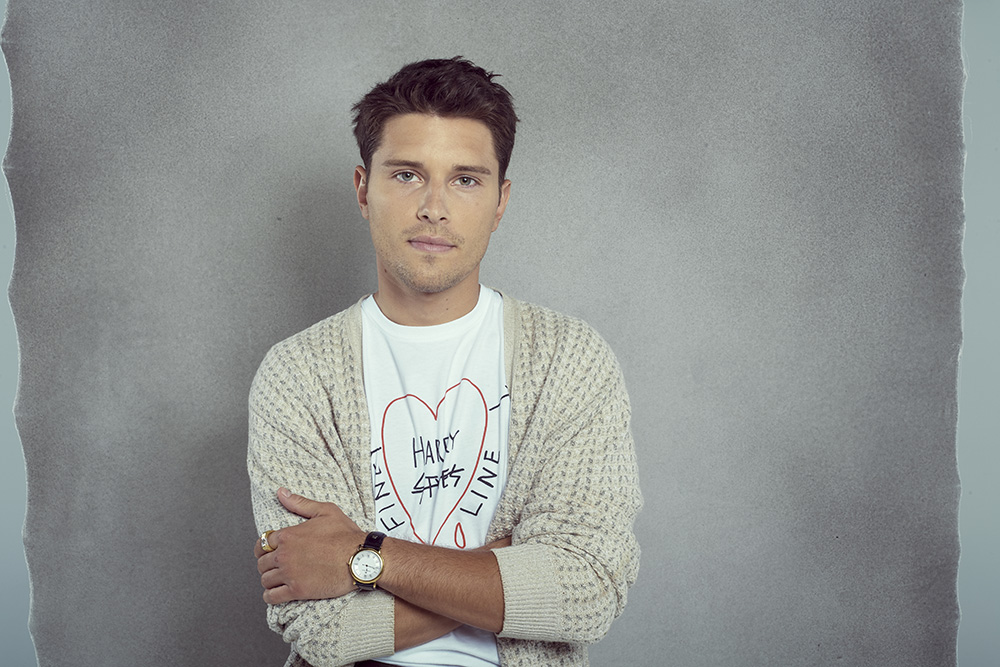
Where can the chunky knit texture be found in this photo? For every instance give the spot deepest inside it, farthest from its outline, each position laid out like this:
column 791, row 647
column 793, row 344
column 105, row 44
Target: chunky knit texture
column 571, row 498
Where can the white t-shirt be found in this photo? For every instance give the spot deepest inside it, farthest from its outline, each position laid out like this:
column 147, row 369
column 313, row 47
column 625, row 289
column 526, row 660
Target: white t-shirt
column 439, row 411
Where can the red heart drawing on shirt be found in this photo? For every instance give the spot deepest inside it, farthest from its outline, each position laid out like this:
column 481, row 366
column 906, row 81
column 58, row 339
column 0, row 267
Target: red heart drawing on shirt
column 444, row 444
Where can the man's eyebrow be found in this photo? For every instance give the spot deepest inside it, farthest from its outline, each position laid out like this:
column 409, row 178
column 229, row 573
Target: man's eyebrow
column 473, row 168
column 403, row 163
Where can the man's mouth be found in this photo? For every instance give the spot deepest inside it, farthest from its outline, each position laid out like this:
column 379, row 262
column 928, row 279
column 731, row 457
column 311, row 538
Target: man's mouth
column 431, row 244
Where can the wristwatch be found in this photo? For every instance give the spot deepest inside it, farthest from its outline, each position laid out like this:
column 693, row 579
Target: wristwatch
column 366, row 564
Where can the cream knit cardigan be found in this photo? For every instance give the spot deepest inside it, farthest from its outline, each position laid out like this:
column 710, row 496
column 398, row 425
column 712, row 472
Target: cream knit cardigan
column 571, row 498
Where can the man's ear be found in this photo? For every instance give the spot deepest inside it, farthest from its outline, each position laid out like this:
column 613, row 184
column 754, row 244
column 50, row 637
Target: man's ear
column 361, row 187
column 502, row 204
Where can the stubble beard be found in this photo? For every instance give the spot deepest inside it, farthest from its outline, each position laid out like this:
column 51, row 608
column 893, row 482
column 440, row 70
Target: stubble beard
column 432, row 281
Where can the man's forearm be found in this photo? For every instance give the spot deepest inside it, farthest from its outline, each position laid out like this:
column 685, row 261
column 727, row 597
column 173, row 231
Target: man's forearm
column 414, row 625
column 461, row 585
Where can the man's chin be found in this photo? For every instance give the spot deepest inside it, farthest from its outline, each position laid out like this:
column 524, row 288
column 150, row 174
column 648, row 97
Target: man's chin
column 432, row 285
column 430, row 289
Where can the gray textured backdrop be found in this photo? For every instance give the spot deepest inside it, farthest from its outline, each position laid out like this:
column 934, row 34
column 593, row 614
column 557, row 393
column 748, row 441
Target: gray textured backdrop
column 759, row 206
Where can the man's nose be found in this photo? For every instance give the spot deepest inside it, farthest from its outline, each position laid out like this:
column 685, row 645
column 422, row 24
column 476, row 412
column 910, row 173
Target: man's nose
column 434, row 208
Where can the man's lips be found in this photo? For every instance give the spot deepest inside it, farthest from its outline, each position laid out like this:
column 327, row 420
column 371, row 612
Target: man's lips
column 431, row 244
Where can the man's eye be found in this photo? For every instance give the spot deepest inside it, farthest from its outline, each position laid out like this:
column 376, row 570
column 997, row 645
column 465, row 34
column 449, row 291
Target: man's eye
column 466, row 181
column 406, row 176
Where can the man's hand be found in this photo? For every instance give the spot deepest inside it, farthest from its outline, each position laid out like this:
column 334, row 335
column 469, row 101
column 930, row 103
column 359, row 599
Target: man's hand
column 309, row 561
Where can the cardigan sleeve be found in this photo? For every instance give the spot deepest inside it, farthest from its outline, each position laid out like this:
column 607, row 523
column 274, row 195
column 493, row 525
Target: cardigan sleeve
column 574, row 553
column 293, row 442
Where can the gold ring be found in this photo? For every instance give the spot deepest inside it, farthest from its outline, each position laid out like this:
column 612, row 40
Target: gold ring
column 264, row 544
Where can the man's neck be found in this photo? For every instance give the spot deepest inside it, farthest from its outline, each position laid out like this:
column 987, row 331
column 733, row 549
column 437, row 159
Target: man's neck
column 422, row 310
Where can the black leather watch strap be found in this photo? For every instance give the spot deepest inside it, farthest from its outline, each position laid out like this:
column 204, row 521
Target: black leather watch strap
column 373, row 541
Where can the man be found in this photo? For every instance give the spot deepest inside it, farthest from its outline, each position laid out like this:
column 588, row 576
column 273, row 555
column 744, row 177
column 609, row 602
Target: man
column 442, row 475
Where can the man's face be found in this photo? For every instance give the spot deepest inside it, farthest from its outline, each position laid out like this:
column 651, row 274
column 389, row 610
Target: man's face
column 432, row 201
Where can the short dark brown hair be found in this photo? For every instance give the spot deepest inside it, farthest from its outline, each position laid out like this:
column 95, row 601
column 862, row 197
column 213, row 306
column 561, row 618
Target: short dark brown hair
column 453, row 88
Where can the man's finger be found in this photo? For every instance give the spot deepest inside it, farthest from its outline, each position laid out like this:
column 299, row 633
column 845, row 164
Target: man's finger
column 258, row 547
column 498, row 544
column 300, row 505
column 271, row 579
column 278, row 595
column 267, row 562
column 258, row 550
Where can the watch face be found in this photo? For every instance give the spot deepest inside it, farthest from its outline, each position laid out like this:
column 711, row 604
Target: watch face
column 366, row 566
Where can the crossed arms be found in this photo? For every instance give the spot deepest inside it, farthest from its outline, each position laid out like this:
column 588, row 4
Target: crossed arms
column 562, row 553
column 435, row 589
